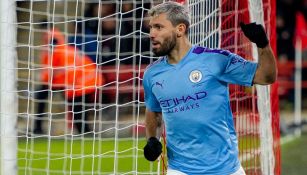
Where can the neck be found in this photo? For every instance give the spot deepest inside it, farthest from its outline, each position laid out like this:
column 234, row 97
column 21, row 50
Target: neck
column 180, row 50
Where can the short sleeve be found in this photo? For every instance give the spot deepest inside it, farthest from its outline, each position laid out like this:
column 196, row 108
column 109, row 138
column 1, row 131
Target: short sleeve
column 151, row 101
column 237, row 70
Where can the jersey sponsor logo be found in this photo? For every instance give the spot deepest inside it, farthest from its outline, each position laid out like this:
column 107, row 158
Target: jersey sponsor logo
column 195, row 76
column 183, row 103
column 183, row 108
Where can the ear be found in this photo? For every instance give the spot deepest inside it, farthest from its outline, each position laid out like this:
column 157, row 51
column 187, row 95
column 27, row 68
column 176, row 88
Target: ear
column 181, row 28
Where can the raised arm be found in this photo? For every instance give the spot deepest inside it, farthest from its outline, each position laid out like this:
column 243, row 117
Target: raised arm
column 153, row 123
column 266, row 70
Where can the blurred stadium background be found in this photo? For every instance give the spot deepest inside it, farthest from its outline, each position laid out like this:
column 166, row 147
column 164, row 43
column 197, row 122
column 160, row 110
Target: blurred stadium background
column 123, row 46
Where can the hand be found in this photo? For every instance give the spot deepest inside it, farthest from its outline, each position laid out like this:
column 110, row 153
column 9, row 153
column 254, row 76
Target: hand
column 255, row 33
column 152, row 149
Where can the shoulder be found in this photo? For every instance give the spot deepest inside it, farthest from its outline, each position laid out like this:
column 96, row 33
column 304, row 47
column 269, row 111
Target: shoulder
column 215, row 60
column 154, row 66
column 212, row 58
column 205, row 50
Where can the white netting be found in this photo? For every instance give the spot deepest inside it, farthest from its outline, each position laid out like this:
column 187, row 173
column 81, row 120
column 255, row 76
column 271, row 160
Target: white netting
column 103, row 48
column 100, row 131
column 205, row 23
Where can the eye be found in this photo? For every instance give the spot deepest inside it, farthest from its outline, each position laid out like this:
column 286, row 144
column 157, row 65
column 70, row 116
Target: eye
column 157, row 26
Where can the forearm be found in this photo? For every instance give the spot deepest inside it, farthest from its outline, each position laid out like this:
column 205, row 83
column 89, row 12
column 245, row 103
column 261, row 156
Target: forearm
column 153, row 122
column 266, row 70
column 153, row 147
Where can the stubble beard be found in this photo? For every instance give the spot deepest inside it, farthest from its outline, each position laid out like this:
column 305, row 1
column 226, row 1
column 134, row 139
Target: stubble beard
column 166, row 47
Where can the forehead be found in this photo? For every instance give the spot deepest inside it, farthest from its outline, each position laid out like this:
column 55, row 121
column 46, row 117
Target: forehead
column 159, row 19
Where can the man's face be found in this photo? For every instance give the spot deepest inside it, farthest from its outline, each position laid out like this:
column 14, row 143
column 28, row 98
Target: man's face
column 162, row 35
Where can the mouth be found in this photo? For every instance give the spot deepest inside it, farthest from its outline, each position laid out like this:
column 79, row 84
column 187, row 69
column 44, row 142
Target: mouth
column 155, row 44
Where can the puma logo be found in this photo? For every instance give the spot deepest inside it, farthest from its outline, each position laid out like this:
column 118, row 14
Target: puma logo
column 159, row 84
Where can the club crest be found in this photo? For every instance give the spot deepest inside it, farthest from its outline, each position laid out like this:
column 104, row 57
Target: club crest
column 195, row 76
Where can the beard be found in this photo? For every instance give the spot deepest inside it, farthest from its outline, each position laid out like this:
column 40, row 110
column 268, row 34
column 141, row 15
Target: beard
column 166, row 47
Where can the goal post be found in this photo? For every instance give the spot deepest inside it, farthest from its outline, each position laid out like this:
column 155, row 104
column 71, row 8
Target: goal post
column 263, row 101
column 8, row 103
column 102, row 132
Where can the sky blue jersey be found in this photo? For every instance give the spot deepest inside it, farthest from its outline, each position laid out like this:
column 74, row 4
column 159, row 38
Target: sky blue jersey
column 193, row 97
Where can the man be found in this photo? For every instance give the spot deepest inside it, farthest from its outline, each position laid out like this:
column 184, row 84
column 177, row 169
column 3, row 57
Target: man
column 188, row 86
column 67, row 70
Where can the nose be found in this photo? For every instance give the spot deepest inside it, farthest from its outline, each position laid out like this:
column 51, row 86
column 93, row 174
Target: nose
column 152, row 34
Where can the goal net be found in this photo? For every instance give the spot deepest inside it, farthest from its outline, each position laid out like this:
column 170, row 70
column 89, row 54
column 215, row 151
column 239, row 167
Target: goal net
column 71, row 84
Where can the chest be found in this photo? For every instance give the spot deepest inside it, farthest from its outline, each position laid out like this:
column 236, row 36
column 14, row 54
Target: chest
column 189, row 82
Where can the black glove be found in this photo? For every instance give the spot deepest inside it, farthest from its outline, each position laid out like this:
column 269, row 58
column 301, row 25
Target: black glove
column 152, row 149
column 255, row 33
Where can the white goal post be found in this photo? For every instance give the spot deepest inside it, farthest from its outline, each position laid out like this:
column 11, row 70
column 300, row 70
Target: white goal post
column 8, row 103
column 264, row 104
